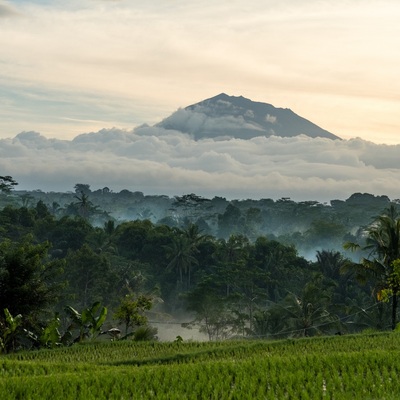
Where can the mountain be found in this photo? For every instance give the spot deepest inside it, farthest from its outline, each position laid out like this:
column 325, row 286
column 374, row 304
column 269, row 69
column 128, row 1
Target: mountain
column 238, row 117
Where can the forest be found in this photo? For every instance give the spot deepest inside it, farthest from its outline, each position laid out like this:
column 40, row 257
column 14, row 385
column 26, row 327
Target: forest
column 76, row 265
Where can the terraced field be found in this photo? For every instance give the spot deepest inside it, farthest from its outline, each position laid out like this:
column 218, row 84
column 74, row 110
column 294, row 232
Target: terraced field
column 340, row 367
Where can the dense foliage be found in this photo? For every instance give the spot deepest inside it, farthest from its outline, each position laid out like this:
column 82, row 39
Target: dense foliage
column 213, row 265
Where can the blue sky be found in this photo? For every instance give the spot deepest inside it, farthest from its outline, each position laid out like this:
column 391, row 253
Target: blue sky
column 79, row 66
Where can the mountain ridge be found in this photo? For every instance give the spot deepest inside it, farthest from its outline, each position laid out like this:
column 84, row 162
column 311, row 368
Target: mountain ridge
column 240, row 117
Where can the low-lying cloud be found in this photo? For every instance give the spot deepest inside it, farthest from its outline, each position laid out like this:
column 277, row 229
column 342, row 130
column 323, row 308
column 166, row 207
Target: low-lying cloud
column 158, row 161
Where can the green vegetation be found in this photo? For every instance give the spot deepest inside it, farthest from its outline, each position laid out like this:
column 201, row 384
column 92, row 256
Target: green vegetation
column 73, row 278
column 383, row 243
column 351, row 367
column 7, row 183
column 70, row 272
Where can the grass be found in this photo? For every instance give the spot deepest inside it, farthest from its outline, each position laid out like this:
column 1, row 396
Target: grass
column 340, row 367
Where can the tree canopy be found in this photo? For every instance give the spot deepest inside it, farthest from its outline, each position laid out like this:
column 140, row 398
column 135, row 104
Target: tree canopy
column 7, row 183
column 227, row 268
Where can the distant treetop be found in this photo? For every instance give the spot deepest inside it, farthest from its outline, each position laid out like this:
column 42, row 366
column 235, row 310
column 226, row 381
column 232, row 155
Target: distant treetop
column 7, row 183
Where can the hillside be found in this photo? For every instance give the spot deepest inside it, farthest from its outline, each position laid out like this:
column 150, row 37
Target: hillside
column 238, row 117
column 353, row 367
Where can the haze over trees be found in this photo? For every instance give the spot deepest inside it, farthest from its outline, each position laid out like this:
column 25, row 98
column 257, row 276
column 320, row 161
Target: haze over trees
column 266, row 269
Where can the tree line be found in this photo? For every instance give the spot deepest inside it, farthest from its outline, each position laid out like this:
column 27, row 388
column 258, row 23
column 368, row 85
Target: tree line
column 63, row 279
column 309, row 225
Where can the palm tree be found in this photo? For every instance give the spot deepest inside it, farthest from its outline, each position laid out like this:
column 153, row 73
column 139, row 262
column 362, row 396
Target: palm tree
column 183, row 250
column 55, row 208
column 193, row 233
column 308, row 314
column 103, row 239
column 181, row 253
column 85, row 206
column 383, row 244
column 331, row 264
column 231, row 255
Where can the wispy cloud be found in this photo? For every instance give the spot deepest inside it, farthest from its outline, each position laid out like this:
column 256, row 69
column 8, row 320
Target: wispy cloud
column 331, row 62
column 7, row 10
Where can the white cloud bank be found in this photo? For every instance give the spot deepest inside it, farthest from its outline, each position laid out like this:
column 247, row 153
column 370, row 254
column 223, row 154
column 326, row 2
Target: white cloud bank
column 159, row 161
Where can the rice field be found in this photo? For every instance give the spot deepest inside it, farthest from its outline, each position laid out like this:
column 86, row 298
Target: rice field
column 340, row 367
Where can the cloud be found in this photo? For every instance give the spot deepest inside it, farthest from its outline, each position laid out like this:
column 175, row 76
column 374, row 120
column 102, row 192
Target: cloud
column 6, row 10
column 271, row 118
column 316, row 57
column 158, row 161
column 195, row 121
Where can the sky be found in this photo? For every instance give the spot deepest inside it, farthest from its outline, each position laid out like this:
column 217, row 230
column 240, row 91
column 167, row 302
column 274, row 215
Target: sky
column 72, row 67
column 82, row 84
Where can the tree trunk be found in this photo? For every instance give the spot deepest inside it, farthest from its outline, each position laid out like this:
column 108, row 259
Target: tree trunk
column 394, row 311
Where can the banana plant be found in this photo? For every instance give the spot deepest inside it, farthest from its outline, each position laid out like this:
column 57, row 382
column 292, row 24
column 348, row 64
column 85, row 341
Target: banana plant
column 9, row 330
column 89, row 321
column 94, row 317
column 50, row 335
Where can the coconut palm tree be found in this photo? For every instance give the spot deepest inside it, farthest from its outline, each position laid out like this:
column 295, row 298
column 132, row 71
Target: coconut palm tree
column 383, row 245
column 307, row 313
column 183, row 250
column 193, row 233
column 231, row 255
column 181, row 254
column 102, row 240
column 84, row 205
column 331, row 264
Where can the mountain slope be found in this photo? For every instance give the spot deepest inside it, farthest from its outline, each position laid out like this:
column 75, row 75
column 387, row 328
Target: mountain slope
column 238, row 117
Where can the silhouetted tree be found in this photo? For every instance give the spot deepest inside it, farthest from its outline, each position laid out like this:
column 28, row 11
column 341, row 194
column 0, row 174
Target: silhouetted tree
column 383, row 244
column 181, row 254
column 7, row 183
